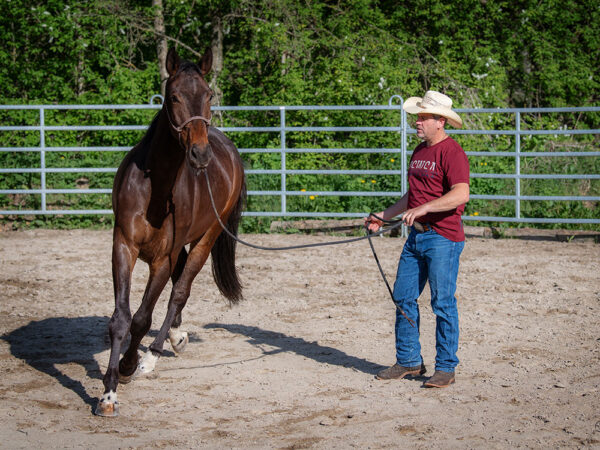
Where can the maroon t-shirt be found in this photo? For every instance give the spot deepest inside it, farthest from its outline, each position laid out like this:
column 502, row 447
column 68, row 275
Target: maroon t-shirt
column 431, row 173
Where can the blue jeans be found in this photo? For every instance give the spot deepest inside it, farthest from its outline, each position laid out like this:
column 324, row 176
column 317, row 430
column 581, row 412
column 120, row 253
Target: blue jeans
column 428, row 256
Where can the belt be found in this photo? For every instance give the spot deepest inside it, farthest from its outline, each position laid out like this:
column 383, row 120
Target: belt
column 421, row 227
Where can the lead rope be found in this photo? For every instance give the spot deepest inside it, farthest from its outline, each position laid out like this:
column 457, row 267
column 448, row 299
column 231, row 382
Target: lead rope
column 393, row 224
column 400, row 310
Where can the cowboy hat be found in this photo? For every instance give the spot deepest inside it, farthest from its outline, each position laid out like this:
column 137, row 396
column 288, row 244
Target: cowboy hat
column 436, row 103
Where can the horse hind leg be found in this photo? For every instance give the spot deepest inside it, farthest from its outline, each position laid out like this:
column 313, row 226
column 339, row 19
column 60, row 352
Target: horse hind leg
column 178, row 339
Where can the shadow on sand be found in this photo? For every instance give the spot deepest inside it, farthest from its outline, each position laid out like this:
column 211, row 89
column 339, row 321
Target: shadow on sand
column 48, row 343
column 312, row 350
column 44, row 344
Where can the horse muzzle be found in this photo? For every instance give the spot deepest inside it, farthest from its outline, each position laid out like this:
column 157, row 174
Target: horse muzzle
column 199, row 156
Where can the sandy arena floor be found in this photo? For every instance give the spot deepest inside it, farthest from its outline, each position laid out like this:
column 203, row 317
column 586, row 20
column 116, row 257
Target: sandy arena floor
column 293, row 365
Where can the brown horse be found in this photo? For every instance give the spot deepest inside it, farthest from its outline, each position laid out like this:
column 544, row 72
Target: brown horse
column 161, row 204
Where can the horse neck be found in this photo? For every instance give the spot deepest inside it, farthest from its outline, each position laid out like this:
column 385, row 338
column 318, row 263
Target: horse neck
column 164, row 158
column 164, row 149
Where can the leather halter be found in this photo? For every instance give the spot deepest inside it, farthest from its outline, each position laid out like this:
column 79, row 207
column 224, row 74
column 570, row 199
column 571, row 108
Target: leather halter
column 180, row 128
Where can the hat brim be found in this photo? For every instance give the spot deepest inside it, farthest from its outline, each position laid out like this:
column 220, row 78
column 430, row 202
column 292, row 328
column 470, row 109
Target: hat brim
column 411, row 106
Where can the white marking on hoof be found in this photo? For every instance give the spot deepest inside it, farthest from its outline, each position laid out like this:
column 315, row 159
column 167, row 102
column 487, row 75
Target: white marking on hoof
column 148, row 363
column 179, row 339
column 108, row 406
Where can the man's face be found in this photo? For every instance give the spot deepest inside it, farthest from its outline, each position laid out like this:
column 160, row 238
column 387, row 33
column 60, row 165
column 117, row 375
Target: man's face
column 428, row 126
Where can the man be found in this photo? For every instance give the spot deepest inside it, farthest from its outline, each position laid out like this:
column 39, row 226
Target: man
column 438, row 177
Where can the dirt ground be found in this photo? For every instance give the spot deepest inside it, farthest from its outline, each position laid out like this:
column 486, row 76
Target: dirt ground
column 293, row 365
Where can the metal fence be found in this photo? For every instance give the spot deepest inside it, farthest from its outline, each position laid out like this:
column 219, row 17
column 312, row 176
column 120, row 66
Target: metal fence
column 403, row 132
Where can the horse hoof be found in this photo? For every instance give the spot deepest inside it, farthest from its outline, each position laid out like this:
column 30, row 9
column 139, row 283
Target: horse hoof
column 125, row 379
column 183, row 341
column 107, row 409
column 178, row 339
column 147, row 364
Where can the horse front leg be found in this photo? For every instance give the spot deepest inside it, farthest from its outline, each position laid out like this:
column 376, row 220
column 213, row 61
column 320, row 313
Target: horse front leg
column 123, row 260
column 150, row 358
column 181, row 292
column 142, row 319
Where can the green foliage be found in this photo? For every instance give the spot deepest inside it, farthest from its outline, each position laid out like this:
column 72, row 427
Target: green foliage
column 483, row 53
column 491, row 53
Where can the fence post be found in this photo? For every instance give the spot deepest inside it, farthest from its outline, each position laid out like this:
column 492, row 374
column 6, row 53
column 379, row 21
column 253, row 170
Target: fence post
column 403, row 145
column 43, row 158
column 518, row 165
column 283, row 166
column 404, row 164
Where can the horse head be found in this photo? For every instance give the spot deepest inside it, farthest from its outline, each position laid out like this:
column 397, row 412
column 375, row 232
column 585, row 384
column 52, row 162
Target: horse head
column 187, row 106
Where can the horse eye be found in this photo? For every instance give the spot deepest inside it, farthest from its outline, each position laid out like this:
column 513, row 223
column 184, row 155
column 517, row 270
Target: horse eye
column 174, row 99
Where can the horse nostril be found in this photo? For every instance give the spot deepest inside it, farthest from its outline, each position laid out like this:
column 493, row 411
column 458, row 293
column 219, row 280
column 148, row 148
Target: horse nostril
column 200, row 156
column 197, row 152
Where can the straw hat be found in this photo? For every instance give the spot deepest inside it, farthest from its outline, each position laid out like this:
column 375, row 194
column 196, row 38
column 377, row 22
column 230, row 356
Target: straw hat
column 433, row 102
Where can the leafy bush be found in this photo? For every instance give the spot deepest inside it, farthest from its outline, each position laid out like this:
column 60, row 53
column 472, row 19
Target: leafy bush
column 283, row 52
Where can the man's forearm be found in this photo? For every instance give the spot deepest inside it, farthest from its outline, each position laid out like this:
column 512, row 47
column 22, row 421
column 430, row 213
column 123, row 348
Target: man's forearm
column 456, row 196
column 397, row 208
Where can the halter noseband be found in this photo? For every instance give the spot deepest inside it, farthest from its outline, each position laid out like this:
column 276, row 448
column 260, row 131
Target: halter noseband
column 180, row 128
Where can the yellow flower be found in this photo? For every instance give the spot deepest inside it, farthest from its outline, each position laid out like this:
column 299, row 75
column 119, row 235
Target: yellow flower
column 362, row 181
column 312, row 197
column 373, row 181
column 302, row 190
column 475, row 213
column 392, row 160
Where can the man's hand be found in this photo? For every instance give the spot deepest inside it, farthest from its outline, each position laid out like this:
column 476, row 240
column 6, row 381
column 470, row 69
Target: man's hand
column 373, row 223
column 411, row 215
column 456, row 196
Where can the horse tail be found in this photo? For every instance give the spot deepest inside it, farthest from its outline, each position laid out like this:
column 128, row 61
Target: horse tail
column 223, row 254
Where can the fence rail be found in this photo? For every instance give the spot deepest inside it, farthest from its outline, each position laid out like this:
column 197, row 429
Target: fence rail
column 403, row 131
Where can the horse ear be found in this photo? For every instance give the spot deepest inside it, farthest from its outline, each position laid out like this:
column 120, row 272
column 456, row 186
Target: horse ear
column 172, row 62
column 206, row 62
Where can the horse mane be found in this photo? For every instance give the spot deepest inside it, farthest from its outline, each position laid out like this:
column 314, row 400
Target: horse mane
column 150, row 131
column 139, row 153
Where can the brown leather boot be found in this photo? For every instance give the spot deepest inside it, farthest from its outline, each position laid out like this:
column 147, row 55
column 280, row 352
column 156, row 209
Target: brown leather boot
column 398, row 371
column 440, row 380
